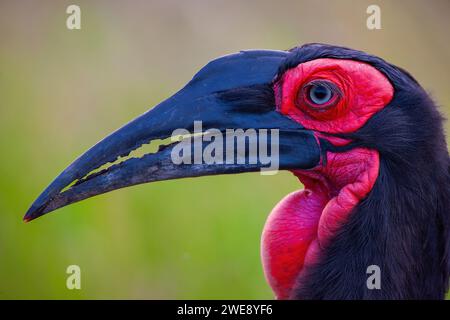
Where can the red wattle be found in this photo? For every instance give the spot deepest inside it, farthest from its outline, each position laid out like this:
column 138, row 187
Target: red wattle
column 301, row 225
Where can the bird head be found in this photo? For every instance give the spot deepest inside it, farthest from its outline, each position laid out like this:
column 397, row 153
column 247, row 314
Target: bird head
column 353, row 128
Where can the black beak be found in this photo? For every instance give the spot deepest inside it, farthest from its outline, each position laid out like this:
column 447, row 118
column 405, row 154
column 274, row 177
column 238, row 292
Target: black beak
column 231, row 92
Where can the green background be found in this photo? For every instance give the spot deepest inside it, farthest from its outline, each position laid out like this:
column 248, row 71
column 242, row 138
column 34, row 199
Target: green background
column 61, row 91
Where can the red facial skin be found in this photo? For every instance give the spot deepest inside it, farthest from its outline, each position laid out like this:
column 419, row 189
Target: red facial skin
column 301, row 225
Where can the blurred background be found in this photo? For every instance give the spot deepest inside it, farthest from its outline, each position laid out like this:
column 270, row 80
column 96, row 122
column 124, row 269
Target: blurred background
column 63, row 90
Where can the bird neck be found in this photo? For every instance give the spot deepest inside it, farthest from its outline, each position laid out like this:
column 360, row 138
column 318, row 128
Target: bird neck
column 320, row 243
column 402, row 228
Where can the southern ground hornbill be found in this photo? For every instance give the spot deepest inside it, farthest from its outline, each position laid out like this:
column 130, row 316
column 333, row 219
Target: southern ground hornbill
column 362, row 136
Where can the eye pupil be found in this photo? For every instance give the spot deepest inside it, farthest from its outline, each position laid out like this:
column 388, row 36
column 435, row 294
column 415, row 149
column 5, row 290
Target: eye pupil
column 320, row 94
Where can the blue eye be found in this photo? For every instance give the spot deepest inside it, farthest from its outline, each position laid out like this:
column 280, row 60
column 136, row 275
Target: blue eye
column 320, row 94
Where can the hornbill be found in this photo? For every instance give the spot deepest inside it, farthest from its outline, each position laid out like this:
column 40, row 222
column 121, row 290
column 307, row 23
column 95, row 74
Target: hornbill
column 361, row 134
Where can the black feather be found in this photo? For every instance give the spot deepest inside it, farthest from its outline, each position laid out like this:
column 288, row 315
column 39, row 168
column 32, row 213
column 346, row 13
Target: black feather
column 251, row 99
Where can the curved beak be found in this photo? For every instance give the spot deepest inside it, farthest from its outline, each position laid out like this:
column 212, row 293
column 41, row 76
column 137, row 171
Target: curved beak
column 223, row 121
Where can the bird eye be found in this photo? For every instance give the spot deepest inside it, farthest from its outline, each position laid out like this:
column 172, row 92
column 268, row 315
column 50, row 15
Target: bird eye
column 320, row 94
